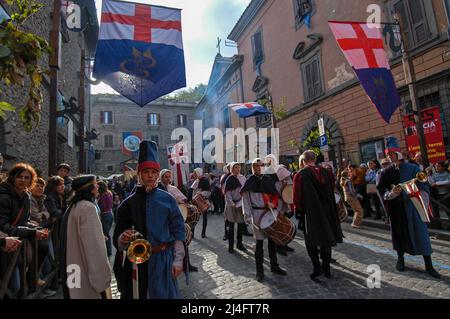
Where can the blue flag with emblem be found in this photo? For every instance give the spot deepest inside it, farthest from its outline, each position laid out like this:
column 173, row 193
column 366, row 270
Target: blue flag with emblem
column 140, row 50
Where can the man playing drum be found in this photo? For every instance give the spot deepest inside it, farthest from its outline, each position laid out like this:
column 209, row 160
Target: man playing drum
column 165, row 177
column 283, row 181
column 259, row 196
column 233, row 206
column 315, row 202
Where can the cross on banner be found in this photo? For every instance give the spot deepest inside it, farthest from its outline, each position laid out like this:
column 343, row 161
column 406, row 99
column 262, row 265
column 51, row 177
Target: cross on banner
column 177, row 157
column 142, row 22
column 364, row 43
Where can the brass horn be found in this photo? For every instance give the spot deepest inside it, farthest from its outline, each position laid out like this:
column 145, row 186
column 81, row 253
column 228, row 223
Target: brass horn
column 420, row 177
column 139, row 251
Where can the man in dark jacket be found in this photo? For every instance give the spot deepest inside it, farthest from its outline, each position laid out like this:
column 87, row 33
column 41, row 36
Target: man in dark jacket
column 314, row 199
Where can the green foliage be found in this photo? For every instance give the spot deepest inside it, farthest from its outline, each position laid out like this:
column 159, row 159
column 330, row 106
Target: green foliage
column 278, row 110
column 188, row 95
column 312, row 140
column 20, row 53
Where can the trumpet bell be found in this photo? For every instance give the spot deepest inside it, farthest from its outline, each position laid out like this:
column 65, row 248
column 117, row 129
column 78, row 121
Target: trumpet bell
column 422, row 177
column 139, row 251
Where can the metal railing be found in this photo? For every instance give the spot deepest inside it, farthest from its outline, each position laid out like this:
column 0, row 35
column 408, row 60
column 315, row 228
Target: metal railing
column 29, row 270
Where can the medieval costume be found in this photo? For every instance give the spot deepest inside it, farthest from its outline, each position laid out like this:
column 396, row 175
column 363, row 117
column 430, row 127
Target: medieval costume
column 180, row 198
column 409, row 231
column 83, row 245
column 233, row 208
column 155, row 215
column 315, row 202
column 203, row 186
column 257, row 192
column 223, row 178
column 282, row 177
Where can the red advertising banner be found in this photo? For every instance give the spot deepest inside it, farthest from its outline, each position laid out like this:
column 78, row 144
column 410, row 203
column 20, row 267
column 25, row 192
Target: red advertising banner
column 432, row 128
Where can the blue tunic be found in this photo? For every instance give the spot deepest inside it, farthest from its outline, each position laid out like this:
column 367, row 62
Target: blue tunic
column 417, row 229
column 165, row 224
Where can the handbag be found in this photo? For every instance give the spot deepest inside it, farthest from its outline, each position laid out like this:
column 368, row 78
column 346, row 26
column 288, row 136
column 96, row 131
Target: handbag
column 371, row 189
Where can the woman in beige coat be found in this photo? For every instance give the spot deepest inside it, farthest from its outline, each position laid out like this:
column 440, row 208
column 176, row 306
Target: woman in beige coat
column 85, row 268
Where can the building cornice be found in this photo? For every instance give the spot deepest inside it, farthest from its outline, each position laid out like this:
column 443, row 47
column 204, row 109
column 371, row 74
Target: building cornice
column 237, row 62
column 118, row 99
column 246, row 18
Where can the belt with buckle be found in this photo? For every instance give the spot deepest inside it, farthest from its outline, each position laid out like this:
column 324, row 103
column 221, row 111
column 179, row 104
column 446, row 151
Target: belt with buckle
column 162, row 247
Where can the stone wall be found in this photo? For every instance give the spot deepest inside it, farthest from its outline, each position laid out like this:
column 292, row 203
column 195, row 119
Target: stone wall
column 16, row 143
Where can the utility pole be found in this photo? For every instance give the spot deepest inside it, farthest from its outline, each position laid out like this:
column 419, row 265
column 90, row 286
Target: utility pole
column 81, row 159
column 54, row 61
column 410, row 78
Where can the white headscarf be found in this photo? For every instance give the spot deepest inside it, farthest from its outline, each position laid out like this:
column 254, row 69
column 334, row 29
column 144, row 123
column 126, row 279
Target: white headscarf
column 256, row 160
column 164, row 171
column 273, row 168
column 198, row 171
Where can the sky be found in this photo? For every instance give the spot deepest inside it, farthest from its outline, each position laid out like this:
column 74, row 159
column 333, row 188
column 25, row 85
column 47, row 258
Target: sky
column 202, row 22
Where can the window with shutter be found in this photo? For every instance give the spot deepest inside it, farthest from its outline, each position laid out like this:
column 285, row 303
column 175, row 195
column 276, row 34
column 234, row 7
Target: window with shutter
column 226, row 118
column 418, row 21
column 312, row 79
column 153, row 119
column 301, row 9
column 258, row 53
column 414, row 21
column 106, row 117
column 109, row 141
column 155, row 138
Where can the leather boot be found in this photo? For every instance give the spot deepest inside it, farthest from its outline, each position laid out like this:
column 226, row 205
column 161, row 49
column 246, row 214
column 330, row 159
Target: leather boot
column 400, row 262
column 313, row 253
column 239, row 245
column 429, row 267
column 231, row 238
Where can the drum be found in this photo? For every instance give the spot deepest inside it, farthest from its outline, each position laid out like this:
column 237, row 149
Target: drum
column 184, row 210
column 341, row 209
column 288, row 194
column 188, row 234
column 201, row 202
column 193, row 216
column 278, row 227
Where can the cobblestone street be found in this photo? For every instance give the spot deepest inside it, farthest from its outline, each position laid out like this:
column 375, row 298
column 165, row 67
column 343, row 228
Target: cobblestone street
column 223, row 275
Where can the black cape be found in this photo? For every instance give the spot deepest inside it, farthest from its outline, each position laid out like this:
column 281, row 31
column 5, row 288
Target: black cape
column 232, row 182
column 260, row 184
column 396, row 209
column 322, row 227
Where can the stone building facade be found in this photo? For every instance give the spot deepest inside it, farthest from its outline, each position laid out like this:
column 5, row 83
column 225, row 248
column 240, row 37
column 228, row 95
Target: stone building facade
column 112, row 115
column 284, row 58
column 224, row 88
column 18, row 145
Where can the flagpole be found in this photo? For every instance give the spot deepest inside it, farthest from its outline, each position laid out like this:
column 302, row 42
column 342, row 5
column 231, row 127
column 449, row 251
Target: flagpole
column 410, row 79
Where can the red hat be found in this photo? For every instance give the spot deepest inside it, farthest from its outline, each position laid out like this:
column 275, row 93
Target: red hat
column 148, row 156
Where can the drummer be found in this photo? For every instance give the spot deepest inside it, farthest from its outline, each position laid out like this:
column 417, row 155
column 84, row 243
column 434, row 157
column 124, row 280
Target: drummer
column 233, row 206
column 165, row 183
column 259, row 194
column 282, row 177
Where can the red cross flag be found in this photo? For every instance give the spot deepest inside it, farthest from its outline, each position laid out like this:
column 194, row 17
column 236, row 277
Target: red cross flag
column 362, row 45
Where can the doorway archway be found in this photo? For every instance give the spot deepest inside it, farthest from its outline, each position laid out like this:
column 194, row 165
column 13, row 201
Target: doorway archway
column 310, row 137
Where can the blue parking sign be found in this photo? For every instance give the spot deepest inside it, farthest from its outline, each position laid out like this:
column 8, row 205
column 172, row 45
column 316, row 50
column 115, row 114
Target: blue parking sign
column 323, row 140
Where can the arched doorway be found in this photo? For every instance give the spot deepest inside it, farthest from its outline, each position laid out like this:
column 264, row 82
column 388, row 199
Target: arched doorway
column 310, row 138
